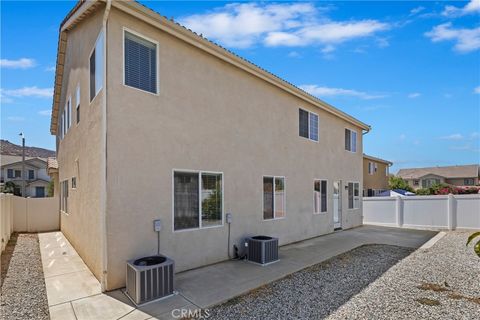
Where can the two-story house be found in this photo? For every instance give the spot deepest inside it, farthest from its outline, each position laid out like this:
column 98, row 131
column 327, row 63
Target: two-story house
column 154, row 121
column 375, row 175
column 461, row 176
column 36, row 177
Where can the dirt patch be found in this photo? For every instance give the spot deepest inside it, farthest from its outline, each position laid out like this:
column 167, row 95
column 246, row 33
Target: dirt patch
column 432, row 287
column 428, row 302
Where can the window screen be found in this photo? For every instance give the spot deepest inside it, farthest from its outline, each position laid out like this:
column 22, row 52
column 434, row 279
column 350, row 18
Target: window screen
column 347, row 140
column 267, row 197
column 140, row 63
column 211, row 199
column 186, row 200
column 96, row 68
column 313, row 127
column 324, row 196
column 303, row 123
column 92, row 75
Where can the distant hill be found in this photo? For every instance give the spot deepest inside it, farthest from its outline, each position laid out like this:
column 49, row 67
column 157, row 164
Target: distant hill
column 8, row 148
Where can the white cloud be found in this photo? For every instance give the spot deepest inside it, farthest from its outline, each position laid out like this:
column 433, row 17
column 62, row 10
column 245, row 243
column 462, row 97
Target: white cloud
column 294, row 54
column 455, row 136
column 414, row 95
column 470, row 8
column 328, row 49
column 243, row 25
column 50, row 69
column 320, row 91
column 47, row 112
column 474, row 135
column 23, row 63
column 29, row 92
column 465, row 147
column 15, row 119
column 466, row 40
column 325, row 33
column 477, row 90
column 416, row 10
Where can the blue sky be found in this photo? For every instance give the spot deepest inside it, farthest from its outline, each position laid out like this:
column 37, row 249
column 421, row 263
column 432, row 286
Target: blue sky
column 409, row 69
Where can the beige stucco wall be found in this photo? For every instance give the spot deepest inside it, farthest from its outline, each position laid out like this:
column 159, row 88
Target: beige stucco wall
column 376, row 180
column 210, row 116
column 82, row 145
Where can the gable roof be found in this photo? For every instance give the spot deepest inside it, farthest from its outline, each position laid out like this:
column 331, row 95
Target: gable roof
column 6, row 160
column 465, row 171
column 84, row 8
column 366, row 156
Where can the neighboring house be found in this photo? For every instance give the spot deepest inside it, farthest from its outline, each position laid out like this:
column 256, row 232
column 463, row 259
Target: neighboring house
column 462, row 176
column 155, row 122
column 375, row 175
column 37, row 179
column 395, row 193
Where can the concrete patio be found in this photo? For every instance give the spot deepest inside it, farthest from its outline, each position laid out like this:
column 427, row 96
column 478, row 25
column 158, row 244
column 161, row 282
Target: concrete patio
column 74, row 293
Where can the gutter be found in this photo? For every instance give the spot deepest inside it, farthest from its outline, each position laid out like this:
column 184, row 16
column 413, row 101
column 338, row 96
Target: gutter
column 103, row 166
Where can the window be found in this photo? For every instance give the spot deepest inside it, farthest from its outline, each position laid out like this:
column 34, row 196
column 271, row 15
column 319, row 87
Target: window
column 140, row 57
column 353, row 195
column 31, row 174
column 96, row 68
column 18, row 173
column 319, row 196
column 416, row 182
column 273, row 197
column 69, row 113
column 74, row 182
column 350, row 140
column 375, row 168
column 198, row 199
column 469, row 182
column 10, row 173
column 370, row 168
column 308, row 125
column 64, row 196
column 77, row 103
column 427, row 183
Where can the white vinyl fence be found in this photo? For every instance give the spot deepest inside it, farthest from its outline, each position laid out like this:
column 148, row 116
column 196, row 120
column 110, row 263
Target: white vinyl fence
column 27, row 215
column 424, row 212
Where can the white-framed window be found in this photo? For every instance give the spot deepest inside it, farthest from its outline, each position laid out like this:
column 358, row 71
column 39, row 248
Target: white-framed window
column 197, row 199
column 96, row 67
column 469, row 182
column 64, row 196
column 69, row 113
column 350, row 140
column 353, row 195
column 77, row 104
column 140, row 58
column 308, row 124
column 319, row 196
column 371, row 168
column 375, row 169
column 274, row 204
column 427, row 183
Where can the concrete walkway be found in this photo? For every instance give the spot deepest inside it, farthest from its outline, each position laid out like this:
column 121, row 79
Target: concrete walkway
column 74, row 293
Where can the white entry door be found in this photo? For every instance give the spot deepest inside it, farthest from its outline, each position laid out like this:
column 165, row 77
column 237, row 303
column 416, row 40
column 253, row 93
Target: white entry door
column 337, row 204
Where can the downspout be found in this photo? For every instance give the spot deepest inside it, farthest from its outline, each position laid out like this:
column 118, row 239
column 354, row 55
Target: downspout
column 103, row 190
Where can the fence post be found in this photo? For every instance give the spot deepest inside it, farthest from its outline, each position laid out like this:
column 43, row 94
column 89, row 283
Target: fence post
column 399, row 210
column 452, row 212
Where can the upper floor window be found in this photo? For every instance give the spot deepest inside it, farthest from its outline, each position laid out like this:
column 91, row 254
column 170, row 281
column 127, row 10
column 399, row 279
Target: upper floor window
column 31, row 174
column 350, row 140
column 68, row 110
column 308, row 125
column 140, row 58
column 77, row 103
column 10, row 173
column 96, row 67
column 371, row 167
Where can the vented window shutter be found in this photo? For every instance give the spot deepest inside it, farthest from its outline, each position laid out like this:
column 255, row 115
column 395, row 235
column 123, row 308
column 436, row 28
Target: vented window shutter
column 140, row 63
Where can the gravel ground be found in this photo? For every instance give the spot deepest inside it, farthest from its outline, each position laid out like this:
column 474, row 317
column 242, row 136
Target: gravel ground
column 317, row 291
column 23, row 293
column 442, row 282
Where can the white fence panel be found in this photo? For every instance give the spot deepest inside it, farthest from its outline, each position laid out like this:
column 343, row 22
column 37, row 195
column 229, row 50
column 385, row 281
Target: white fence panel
column 424, row 212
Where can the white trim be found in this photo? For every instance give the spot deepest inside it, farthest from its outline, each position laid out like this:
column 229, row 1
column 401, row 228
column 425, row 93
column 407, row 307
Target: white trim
column 320, row 212
column 157, row 53
column 284, row 200
column 199, row 172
